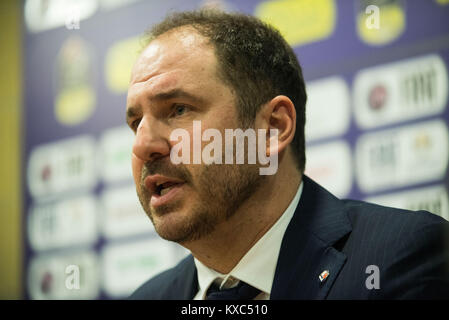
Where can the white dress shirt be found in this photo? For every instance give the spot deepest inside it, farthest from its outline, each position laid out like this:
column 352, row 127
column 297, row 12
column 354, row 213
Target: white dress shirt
column 258, row 265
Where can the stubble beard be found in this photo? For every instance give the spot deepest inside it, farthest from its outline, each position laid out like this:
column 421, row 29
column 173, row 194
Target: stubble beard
column 220, row 191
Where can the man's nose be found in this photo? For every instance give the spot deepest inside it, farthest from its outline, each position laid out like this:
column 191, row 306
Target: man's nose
column 149, row 143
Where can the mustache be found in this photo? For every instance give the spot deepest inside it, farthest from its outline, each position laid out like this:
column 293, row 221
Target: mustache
column 165, row 168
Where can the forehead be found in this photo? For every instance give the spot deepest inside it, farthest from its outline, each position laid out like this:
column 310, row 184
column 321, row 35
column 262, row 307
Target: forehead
column 182, row 51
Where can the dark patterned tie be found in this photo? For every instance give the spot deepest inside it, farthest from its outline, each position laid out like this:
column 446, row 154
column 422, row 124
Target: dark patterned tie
column 242, row 291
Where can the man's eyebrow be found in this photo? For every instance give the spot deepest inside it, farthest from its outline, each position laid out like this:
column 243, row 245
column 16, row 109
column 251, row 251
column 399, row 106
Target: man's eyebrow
column 133, row 111
column 176, row 93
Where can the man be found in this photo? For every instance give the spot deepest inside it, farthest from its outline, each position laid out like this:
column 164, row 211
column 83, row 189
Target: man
column 278, row 236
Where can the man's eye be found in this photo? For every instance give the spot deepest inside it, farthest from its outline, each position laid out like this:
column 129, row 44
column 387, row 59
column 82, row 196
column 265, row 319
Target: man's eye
column 135, row 124
column 179, row 110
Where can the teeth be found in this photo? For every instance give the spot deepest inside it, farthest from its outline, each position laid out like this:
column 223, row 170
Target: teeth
column 165, row 190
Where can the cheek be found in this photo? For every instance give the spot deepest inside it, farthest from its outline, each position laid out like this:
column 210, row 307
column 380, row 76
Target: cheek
column 137, row 165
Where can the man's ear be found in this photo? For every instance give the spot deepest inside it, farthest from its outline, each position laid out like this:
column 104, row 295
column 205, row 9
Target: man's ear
column 279, row 113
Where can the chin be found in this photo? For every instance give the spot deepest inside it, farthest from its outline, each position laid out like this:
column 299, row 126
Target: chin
column 183, row 227
column 171, row 225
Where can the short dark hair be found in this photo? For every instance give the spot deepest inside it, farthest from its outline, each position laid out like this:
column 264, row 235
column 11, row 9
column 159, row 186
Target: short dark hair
column 253, row 59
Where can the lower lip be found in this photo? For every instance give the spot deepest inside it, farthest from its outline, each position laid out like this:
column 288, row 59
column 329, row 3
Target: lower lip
column 158, row 200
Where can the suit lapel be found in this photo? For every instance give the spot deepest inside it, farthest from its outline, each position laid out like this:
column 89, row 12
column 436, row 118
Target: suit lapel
column 191, row 287
column 185, row 284
column 307, row 247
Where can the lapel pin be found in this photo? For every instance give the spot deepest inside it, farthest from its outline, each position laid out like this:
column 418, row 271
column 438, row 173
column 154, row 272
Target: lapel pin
column 323, row 276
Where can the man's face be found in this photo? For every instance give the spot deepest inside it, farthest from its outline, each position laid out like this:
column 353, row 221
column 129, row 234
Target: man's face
column 173, row 83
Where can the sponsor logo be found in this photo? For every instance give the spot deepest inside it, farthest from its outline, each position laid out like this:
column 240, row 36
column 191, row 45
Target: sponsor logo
column 119, row 61
column 59, row 167
column 327, row 114
column 63, row 224
column 41, row 15
column 300, row 21
column 75, row 97
column 377, row 97
column 50, row 276
column 403, row 156
column 420, row 87
column 334, row 173
column 433, row 199
column 400, row 91
column 127, row 266
column 382, row 23
column 122, row 214
column 115, row 156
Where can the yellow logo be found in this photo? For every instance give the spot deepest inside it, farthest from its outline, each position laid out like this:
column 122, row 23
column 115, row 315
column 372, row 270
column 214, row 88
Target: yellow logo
column 119, row 62
column 299, row 21
column 75, row 98
column 391, row 22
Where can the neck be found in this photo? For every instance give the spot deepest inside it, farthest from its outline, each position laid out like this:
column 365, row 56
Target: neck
column 232, row 239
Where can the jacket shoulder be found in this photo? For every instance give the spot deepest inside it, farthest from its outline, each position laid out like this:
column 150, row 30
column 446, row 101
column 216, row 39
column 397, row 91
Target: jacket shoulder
column 360, row 210
column 386, row 228
column 410, row 249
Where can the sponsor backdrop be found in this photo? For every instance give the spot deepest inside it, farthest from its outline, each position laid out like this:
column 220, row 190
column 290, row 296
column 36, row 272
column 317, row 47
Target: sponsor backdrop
column 377, row 125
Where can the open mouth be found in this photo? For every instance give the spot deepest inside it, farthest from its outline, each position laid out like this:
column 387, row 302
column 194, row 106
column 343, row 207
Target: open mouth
column 164, row 188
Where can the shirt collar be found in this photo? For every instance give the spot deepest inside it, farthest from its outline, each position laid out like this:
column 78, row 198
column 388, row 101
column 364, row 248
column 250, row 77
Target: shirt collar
column 258, row 265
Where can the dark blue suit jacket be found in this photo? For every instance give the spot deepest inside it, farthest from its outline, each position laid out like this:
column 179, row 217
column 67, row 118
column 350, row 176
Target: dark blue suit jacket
column 409, row 248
